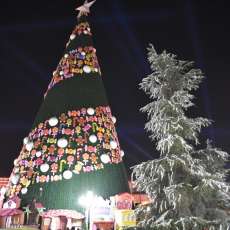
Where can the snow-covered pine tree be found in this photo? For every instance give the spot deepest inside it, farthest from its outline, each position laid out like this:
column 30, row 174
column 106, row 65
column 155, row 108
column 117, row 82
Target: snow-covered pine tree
column 187, row 186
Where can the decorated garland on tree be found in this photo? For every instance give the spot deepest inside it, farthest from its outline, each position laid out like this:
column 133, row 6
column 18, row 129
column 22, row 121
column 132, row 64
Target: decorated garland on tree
column 78, row 141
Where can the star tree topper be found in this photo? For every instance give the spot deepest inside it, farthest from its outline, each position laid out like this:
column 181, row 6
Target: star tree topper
column 85, row 8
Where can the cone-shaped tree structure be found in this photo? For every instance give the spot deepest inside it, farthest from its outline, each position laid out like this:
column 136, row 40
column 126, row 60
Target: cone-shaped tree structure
column 73, row 145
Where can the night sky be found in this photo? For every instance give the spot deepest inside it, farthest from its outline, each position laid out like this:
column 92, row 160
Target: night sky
column 33, row 35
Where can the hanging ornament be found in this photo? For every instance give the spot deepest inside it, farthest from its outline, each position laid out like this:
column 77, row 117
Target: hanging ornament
column 25, row 140
column 67, row 174
column 114, row 119
column 15, row 178
column 44, row 167
column 113, row 144
column 24, row 191
column 122, row 153
column 72, row 36
column 93, row 138
column 62, row 143
column 83, row 53
column 29, row 146
column 96, row 69
column 53, row 121
column 38, row 154
column 105, row 158
column 61, row 73
column 66, row 55
column 90, row 111
column 56, row 178
column 16, row 162
column 86, row 69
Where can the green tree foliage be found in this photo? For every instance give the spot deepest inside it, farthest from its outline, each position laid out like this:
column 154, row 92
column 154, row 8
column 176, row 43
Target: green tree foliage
column 187, row 186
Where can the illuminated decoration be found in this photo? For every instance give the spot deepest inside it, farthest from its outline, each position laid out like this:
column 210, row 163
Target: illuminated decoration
column 67, row 174
column 69, row 149
column 53, row 121
column 24, row 190
column 73, row 149
column 81, row 27
column 16, row 162
column 62, row 143
column 15, row 179
column 44, row 168
column 93, row 139
column 85, row 8
column 113, row 144
column 90, row 111
column 76, row 62
column 114, row 119
column 38, row 154
column 122, row 153
column 29, row 146
column 105, row 158
column 72, row 36
column 86, row 69
column 25, row 140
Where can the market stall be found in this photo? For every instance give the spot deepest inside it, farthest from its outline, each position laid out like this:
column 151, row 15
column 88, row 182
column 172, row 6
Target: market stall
column 11, row 217
column 61, row 219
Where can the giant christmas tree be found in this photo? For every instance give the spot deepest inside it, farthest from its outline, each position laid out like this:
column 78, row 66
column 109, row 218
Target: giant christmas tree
column 73, row 145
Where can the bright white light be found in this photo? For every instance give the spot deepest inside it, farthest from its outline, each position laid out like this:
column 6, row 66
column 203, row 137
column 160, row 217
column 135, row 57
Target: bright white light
column 87, row 200
column 114, row 119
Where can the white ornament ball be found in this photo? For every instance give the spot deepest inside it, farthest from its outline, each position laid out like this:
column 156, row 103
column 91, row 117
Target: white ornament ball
column 56, row 178
column 105, row 158
column 96, row 69
column 29, row 146
column 44, row 167
column 113, row 144
column 86, row 69
column 53, row 121
column 93, row 138
column 38, row 154
column 122, row 153
column 16, row 162
column 72, row 36
column 66, row 55
column 67, row 174
column 61, row 72
column 114, row 119
column 83, row 53
column 62, row 143
column 90, row 111
column 24, row 190
column 25, row 140
column 15, row 179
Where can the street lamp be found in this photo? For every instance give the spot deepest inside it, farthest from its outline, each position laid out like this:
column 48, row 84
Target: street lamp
column 86, row 201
